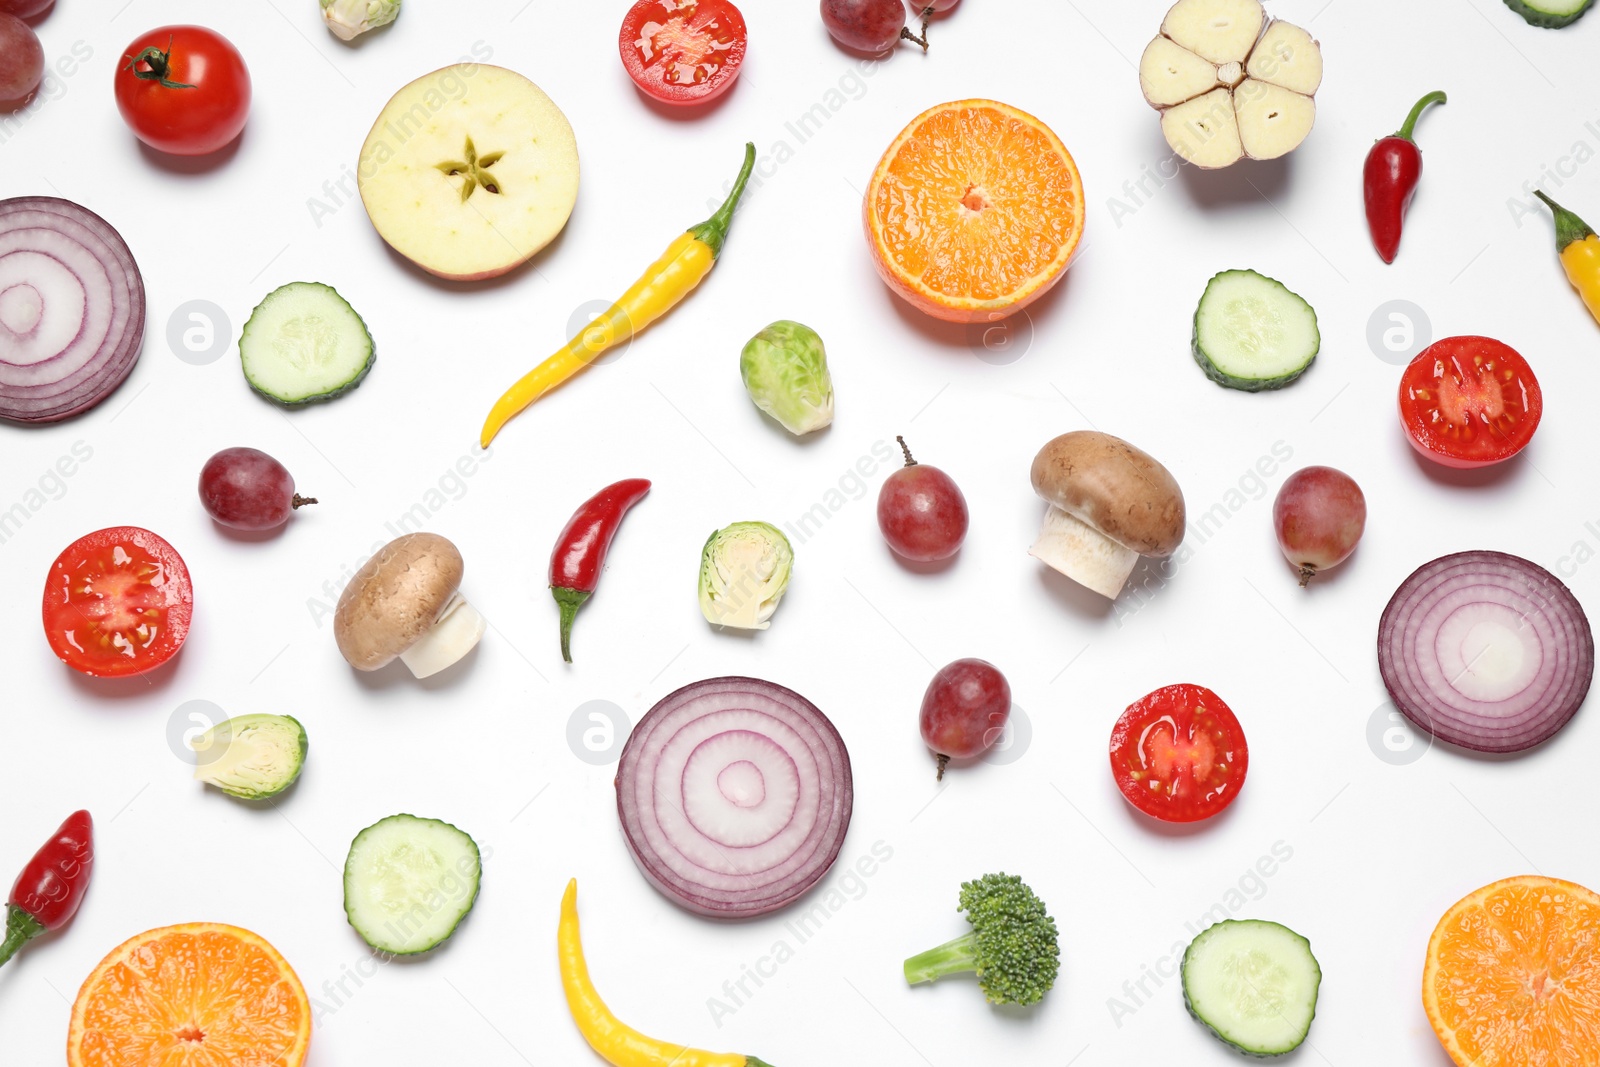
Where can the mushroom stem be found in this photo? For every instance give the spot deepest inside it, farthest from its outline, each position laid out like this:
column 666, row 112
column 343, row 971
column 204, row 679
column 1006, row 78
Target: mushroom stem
column 456, row 632
column 1083, row 553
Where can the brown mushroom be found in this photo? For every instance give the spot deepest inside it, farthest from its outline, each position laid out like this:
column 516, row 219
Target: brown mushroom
column 405, row 602
column 1110, row 503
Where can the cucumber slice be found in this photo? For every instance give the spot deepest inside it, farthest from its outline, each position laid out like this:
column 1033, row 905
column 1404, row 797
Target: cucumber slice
column 1254, row 984
column 1550, row 14
column 409, row 882
column 251, row 757
column 304, row 342
column 1252, row 333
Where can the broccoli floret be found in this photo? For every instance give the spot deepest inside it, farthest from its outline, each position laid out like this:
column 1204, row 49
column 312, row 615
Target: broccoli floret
column 1012, row 945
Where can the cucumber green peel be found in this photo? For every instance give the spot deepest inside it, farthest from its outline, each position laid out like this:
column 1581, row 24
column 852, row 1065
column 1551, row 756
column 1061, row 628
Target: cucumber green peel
column 1251, row 332
column 1550, row 14
column 1253, row 984
column 408, row 883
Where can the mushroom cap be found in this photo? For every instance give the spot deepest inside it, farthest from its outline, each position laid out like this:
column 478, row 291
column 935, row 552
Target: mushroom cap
column 395, row 598
column 1114, row 487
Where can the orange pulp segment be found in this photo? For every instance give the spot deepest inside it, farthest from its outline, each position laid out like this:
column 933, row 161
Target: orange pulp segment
column 974, row 211
column 195, row 995
column 1513, row 976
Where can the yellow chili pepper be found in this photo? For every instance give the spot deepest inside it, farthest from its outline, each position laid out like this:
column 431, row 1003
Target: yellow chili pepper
column 1579, row 249
column 616, row 1042
column 669, row 279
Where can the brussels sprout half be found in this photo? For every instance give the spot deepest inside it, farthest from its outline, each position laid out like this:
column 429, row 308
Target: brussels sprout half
column 251, row 757
column 744, row 571
column 349, row 19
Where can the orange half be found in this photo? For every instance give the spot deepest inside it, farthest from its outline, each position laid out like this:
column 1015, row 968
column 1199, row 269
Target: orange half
column 196, row 995
column 1513, row 976
column 974, row 211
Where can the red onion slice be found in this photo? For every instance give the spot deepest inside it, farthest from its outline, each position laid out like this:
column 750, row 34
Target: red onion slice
column 1486, row 650
column 71, row 309
column 735, row 795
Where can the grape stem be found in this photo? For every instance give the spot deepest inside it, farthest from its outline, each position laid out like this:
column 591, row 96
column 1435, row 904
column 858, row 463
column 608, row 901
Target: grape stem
column 1307, row 572
column 301, row 501
column 909, row 461
column 907, row 35
column 944, row 761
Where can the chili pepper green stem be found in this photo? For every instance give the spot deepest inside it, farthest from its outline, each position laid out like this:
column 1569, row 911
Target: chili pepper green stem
column 714, row 231
column 1569, row 227
column 569, row 601
column 20, row 929
column 1436, row 97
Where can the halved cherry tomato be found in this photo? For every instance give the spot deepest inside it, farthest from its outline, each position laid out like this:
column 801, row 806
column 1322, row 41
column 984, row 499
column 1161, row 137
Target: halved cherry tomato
column 1179, row 754
column 1469, row 402
column 183, row 90
column 117, row 602
column 683, row 51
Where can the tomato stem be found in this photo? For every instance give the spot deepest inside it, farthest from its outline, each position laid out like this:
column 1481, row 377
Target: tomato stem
column 906, row 449
column 159, row 62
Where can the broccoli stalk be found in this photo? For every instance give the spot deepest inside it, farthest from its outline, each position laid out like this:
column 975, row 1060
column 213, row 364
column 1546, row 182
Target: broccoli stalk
column 1012, row 946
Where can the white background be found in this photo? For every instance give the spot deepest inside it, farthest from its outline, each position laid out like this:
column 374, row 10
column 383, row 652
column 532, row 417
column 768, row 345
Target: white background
column 1378, row 851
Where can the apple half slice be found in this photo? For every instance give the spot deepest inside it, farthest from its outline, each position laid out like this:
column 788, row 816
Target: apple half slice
column 469, row 171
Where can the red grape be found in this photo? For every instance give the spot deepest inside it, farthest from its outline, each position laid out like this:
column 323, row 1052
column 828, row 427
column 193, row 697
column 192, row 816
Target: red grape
column 24, row 9
column 248, row 490
column 1319, row 516
column 921, row 511
column 21, row 59
column 865, row 25
column 964, row 711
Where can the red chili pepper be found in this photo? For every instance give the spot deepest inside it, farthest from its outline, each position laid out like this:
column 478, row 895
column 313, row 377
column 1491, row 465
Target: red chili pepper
column 51, row 886
column 581, row 550
column 1394, row 166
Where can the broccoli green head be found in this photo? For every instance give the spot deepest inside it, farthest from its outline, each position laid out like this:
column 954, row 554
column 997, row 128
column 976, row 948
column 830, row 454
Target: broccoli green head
column 1012, row 947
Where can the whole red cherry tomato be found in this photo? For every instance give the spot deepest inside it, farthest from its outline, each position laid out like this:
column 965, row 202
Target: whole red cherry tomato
column 183, row 90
